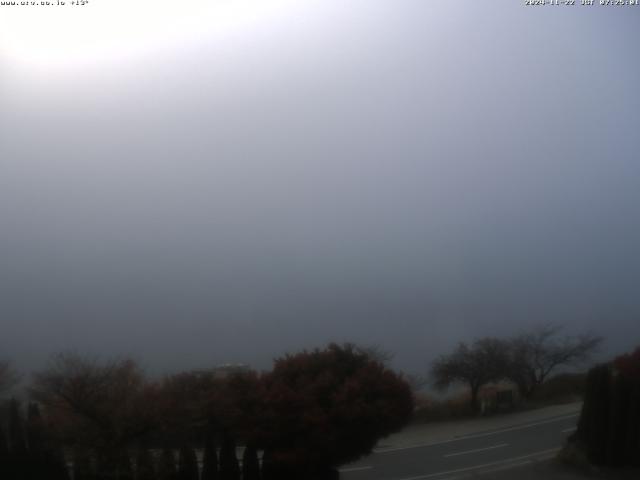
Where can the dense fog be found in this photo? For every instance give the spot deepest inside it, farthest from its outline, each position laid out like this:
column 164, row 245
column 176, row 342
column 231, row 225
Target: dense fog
column 409, row 174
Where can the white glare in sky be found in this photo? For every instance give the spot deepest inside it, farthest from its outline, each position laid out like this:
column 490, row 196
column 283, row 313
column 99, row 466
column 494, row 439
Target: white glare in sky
column 57, row 36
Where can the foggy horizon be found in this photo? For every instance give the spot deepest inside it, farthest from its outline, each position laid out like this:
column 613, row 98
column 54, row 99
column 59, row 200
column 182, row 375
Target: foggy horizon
column 403, row 174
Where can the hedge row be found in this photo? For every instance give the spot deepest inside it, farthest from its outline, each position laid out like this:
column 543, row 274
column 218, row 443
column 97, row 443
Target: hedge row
column 609, row 426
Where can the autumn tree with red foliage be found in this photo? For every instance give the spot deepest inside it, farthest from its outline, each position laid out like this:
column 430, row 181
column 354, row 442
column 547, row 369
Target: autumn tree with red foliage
column 200, row 403
column 236, row 405
column 183, row 402
column 328, row 407
column 629, row 365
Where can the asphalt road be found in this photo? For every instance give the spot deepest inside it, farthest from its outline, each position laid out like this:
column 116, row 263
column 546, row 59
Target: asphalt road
column 484, row 451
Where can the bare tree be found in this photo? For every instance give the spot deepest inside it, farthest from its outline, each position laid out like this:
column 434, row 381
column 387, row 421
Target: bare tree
column 534, row 355
column 377, row 353
column 416, row 382
column 104, row 404
column 8, row 377
column 476, row 365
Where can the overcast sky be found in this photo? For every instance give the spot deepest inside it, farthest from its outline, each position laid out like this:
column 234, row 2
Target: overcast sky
column 233, row 181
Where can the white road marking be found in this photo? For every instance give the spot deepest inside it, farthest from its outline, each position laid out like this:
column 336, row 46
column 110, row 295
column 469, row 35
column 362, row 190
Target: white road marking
column 355, row 469
column 476, row 435
column 476, row 450
column 509, row 466
column 567, row 430
column 485, row 465
column 499, row 468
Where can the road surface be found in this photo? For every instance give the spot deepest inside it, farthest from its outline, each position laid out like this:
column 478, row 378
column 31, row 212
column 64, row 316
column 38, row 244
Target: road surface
column 485, row 451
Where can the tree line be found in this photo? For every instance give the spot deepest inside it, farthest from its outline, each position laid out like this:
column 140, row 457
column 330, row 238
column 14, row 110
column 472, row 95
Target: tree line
column 527, row 360
column 313, row 412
